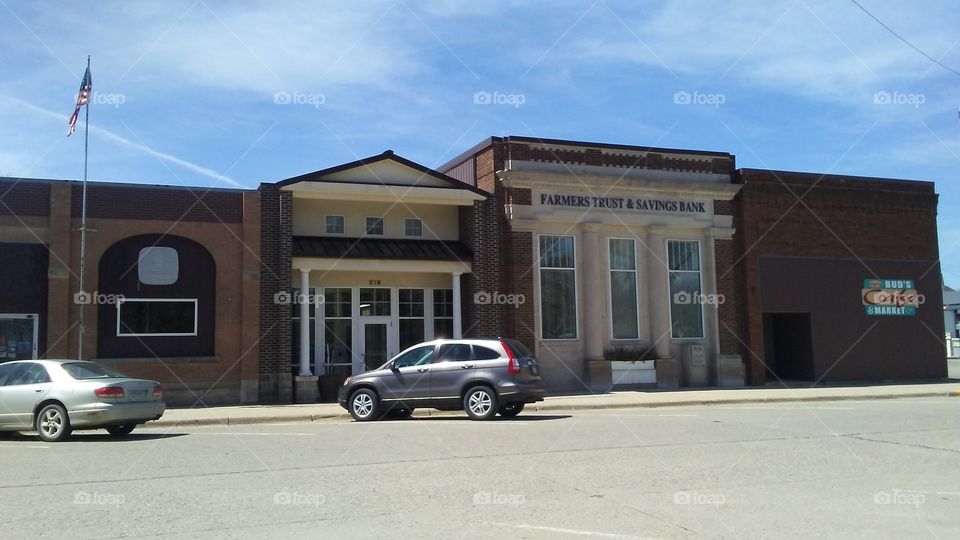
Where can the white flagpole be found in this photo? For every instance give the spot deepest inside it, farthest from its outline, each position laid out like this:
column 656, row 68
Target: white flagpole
column 83, row 217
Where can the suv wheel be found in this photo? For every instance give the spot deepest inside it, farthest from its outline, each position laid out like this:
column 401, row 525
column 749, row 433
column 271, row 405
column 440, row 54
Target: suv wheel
column 364, row 405
column 480, row 402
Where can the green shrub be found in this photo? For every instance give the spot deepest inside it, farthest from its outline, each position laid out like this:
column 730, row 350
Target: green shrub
column 630, row 354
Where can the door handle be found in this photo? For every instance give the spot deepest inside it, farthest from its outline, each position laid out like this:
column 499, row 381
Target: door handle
column 466, row 366
column 38, row 390
column 423, row 369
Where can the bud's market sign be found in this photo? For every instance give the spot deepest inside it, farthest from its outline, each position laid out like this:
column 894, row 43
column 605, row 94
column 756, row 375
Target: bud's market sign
column 625, row 203
column 890, row 297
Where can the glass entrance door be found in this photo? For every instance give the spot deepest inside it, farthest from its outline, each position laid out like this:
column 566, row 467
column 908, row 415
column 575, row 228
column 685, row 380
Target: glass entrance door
column 374, row 341
column 18, row 337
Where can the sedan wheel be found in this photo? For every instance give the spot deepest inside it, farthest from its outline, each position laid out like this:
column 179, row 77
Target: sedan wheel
column 121, row 431
column 480, row 403
column 53, row 424
column 364, row 405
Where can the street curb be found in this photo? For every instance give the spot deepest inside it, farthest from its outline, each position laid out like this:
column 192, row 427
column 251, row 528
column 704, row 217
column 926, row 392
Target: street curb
column 736, row 401
column 542, row 407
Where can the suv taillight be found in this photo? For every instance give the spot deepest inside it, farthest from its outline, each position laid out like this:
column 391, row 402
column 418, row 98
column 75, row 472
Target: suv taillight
column 513, row 367
column 110, row 392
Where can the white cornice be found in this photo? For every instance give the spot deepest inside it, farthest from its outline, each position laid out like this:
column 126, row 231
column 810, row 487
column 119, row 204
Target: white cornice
column 612, row 186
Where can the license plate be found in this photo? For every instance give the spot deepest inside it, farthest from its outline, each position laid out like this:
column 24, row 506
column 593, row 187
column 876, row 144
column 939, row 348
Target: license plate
column 138, row 395
column 534, row 369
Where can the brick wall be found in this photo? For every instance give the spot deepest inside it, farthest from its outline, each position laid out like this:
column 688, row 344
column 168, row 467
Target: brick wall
column 839, row 217
column 158, row 203
column 24, row 197
column 483, row 320
column 276, row 235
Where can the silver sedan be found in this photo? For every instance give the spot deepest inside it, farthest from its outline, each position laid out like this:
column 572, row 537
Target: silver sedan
column 54, row 397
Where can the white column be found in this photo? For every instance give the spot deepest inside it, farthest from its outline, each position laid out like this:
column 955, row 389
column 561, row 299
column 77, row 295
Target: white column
column 304, row 323
column 457, row 320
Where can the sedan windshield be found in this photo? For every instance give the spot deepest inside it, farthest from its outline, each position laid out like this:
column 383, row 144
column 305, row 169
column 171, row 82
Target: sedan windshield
column 90, row 370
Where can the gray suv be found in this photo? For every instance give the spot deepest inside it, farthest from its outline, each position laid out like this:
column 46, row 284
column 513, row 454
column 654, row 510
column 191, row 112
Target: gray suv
column 481, row 376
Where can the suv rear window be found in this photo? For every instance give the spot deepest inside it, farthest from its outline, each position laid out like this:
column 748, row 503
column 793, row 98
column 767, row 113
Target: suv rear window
column 519, row 349
column 90, row 370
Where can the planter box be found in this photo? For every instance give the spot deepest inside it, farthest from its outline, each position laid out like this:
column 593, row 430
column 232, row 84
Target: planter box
column 598, row 375
column 633, row 372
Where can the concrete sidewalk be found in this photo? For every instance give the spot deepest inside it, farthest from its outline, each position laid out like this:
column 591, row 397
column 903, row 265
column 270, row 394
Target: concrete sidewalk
column 256, row 414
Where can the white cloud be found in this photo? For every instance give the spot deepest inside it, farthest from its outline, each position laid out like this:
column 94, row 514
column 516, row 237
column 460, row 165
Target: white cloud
column 815, row 48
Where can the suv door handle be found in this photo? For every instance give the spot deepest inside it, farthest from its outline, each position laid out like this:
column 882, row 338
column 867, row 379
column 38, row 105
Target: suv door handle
column 466, row 366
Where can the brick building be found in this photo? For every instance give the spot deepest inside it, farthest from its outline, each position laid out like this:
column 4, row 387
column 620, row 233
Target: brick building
column 172, row 284
column 687, row 270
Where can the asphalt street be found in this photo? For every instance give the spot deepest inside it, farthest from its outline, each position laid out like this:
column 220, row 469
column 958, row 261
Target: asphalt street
column 851, row 469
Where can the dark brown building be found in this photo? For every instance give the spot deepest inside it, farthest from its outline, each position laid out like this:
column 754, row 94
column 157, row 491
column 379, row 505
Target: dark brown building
column 171, row 279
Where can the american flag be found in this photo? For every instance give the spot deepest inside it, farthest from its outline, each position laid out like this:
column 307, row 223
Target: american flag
column 83, row 98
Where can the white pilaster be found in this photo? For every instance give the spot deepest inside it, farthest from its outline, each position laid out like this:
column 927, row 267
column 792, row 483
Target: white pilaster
column 304, row 322
column 659, row 291
column 457, row 319
column 593, row 334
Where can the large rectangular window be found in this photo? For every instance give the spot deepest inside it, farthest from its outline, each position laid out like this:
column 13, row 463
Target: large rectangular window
column 686, row 310
column 558, row 288
column 338, row 331
column 442, row 313
column 623, row 289
column 157, row 317
column 411, row 317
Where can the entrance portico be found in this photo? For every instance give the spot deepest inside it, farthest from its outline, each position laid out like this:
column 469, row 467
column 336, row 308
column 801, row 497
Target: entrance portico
column 377, row 262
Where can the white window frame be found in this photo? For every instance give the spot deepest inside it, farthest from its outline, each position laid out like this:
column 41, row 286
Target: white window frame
column 636, row 285
column 666, row 247
column 576, row 289
column 406, row 221
column 366, row 228
column 433, row 306
column 422, row 318
column 121, row 301
column 343, row 224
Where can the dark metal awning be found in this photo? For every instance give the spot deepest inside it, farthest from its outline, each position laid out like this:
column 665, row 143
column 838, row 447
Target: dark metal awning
column 380, row 248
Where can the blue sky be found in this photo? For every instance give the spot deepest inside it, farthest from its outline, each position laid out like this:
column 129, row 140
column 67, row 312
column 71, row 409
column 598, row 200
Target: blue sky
column 211, row 94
